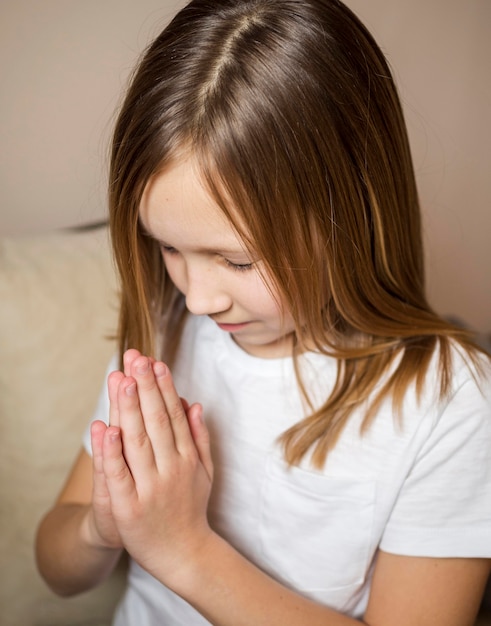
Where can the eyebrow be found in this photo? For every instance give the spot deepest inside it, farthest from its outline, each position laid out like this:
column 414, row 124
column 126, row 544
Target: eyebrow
column 220, row 250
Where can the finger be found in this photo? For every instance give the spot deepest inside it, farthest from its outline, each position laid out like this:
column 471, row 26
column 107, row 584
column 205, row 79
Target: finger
column 137, row 448
column 201, row 437
column 154, row 411
column 100, row 492
column 97, row 430
column 128, row 357
column 175, row 410
column 120, row 482
column 113, row 382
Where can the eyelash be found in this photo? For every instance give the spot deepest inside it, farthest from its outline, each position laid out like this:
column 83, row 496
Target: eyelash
column 237, row 267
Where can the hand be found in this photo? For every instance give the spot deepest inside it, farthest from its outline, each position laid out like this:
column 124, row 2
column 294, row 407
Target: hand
column 100, row 525
column 102, row 530
column 157, row 467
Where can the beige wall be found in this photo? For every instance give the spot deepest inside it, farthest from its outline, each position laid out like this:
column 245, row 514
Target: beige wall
column 63, row 64
column 440, row 51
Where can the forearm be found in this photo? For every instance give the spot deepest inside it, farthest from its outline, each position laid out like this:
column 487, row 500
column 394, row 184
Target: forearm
column 66, row 559
column 230, row 591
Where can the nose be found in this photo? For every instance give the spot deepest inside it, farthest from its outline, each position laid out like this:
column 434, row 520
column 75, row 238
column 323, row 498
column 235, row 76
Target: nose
column 205, row 293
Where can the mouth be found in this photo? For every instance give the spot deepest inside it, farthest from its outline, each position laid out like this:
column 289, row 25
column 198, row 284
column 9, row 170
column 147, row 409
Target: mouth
column 232, row 328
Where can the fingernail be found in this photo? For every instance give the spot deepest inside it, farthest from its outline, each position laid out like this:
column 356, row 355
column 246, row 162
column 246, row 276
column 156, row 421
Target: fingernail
column 143, row 369
column 113, row 437
column 131, row 389
column 160, row 370
column 200, row 415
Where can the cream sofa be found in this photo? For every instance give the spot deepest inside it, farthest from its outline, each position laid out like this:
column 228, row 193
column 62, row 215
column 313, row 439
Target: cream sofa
column 58, row 306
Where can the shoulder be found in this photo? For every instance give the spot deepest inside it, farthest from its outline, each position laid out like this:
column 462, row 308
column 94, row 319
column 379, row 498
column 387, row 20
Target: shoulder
column 469, row 389
column 456, row 376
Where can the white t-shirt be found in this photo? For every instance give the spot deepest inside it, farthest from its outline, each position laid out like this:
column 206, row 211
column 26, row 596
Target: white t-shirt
column 420, row 489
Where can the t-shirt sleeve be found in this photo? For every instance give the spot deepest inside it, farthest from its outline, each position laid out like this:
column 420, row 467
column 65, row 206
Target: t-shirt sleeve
column 444, row 507
column 101, row 411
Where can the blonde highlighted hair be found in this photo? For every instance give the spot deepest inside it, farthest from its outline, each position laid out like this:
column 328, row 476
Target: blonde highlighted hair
column 290, row 110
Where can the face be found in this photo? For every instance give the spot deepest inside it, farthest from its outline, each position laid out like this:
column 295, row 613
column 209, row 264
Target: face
column 207, row 261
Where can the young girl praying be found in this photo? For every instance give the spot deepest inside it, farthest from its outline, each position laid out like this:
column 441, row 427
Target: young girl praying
column 289, row 435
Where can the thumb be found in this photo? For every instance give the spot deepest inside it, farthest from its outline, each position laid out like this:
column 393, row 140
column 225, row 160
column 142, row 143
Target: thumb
column 201, row 437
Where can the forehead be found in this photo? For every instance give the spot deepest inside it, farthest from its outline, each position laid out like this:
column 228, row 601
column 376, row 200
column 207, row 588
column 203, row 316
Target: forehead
column 177, row 209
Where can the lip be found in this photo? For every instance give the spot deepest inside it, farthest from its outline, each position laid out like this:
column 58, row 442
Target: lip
column 232, row 328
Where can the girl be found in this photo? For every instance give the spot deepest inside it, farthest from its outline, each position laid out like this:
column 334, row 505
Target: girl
column 265, row 222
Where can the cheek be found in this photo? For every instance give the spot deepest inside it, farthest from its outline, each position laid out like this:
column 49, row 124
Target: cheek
column 265, row 300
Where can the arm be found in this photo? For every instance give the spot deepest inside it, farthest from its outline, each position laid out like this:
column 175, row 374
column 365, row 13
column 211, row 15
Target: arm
column 406, row 591
column 415, row 590
column 159, row 492
column 70, row 556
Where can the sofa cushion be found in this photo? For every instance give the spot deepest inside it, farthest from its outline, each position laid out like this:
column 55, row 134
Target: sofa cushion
column 58, row 310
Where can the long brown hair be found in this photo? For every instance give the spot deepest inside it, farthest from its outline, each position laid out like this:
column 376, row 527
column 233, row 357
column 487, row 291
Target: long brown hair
column 291, row 112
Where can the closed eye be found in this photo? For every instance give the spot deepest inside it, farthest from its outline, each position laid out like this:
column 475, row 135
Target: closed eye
column 238, row 267
column 168, row 249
